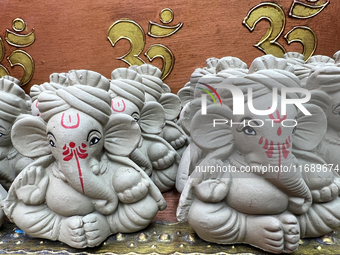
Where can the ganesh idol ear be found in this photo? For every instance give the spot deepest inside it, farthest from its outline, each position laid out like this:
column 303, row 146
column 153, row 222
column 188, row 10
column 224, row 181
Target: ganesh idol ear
column 152, row 118
column 171, row 104
column 122, row 135
column 186, row 94
column 320, row 98
column 212, row 131
column 310, row 129
column 29, row 136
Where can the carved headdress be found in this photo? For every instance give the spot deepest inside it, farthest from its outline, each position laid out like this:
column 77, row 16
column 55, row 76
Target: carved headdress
column 127, row 83
column 57, row 81
column 325, row 78
column 151, row 79
column 12, row 100
column 265, row 73
column 87, row 92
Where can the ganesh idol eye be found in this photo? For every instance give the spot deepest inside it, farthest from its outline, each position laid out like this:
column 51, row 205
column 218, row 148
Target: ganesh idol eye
column 4, row 133
column 94, row 140
column 51, row 139
column 135, row 115
column 336, row 110
column 94, row 137
column 248, row 130
column 294, row 129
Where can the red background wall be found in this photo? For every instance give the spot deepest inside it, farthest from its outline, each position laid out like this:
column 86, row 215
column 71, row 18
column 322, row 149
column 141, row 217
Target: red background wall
column 73, row 34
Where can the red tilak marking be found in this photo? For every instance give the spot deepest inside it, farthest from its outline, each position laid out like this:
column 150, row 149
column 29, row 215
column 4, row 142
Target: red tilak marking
column 77, row 153
column 83, row 145
column 36, row 105
column 277, row 120
column 279, row 131
column 66, row 151
column 265, row 145
column 278, row 145
column 69, row 157
column 261, row 140
column 69, row 117
column 81, row 155
column 81, row 150
column 80, row 174
column 284, row 151
column 116, row 110
column 270, row 151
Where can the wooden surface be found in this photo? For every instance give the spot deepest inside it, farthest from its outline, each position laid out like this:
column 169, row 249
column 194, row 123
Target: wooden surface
column 169, row 214
column 73, row 34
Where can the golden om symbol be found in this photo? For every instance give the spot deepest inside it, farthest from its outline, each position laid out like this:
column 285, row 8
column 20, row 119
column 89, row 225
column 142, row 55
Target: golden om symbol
column 302, row 10
column 18, row 57
column 275, row 15
column 131, row 31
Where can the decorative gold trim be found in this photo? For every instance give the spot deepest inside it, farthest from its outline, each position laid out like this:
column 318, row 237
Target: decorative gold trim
column 276, row 17
column 134, row 33
column 23, row 59
column 159, row 31
column 302, row 10
column 163, row 52
column 18, row 40
column 162, row 16
column 18, row 57
column 18, row 25
column 3, row 70
column 306, row 36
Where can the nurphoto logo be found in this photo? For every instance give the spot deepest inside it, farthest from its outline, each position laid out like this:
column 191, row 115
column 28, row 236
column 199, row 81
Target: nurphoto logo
column 238, row 99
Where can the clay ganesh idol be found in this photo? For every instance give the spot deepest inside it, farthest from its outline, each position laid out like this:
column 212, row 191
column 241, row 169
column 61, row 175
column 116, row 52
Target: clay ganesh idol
column 82, row 187
column 156, row 90
column 13, row 102
column 199, row 83
column 325, row 79
column 153, row 154
column 246, row 202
